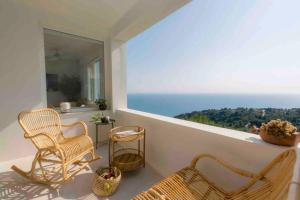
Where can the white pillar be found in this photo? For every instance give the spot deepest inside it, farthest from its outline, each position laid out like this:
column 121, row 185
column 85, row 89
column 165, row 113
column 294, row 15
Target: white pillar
column 118, row 75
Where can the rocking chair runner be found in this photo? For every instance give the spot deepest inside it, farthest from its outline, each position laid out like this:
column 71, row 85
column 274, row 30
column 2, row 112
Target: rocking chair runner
column 65, row 154
column 271, row 183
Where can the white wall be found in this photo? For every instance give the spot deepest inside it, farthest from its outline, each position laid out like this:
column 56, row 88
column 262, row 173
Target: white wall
column 21, row 80
column 172, row 143
column 294, row 190
column 86, row 117
column 22, row 76
column 119, row 75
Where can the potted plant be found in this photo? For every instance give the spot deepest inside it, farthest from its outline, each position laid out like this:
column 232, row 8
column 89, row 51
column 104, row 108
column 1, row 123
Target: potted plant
column 99, row 117
column 278, row 132
column 101, row 103
column 70, row 86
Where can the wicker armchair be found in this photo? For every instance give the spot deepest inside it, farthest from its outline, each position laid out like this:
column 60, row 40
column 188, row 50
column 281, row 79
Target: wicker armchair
column 59, row 157
column 271, row 183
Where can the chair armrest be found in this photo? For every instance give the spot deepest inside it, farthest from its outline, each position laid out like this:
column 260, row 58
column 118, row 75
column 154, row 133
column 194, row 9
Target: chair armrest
column 230, row 167
column 47, row 135
column 85, row 129
column 253, row 177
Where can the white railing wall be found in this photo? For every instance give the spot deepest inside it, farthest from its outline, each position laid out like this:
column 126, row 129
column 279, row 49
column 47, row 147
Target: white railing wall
column 172, row 143
column 294, row 193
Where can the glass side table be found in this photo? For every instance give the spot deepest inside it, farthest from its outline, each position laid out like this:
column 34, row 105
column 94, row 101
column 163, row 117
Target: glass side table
column 99, row 123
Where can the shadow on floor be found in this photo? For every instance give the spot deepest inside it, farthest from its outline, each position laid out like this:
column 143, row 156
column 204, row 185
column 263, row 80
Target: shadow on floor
column 78, row 188
column 15, row 187
column 12, row 186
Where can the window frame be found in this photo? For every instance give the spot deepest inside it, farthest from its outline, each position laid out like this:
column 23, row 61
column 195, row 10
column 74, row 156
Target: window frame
column 91, row 72
column 101, row 59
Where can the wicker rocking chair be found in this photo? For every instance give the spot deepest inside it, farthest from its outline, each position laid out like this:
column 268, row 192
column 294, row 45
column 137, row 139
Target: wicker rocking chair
column 59, row 157
column 271, row 183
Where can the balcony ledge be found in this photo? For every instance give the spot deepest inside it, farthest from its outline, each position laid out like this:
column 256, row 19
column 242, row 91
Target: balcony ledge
column 203, row 128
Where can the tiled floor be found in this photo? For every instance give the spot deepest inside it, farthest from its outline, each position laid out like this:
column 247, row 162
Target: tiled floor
column 13, row 186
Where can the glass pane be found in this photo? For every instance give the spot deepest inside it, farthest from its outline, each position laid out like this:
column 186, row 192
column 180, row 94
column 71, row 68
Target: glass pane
column 97, row 79
column 73, row 70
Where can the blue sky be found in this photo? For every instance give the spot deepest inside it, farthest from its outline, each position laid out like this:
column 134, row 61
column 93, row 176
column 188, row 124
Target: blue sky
column 220, row 46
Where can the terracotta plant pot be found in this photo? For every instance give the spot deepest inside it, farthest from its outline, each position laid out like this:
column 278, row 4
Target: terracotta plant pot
column 286, row 141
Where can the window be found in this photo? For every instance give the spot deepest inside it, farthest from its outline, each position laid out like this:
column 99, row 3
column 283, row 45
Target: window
column 93, row 77
column 74, row 69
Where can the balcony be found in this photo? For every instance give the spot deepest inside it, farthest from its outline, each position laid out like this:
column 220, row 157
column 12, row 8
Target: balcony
column 171, row 143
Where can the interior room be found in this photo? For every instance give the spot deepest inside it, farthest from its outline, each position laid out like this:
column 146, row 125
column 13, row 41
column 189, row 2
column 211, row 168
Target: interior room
column 74, row 69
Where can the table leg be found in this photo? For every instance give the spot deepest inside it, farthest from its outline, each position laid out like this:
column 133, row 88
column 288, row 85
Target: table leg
column 113, row 151
column 109, row 152
column 144, row 146
column 96, row 136
column 139, row 147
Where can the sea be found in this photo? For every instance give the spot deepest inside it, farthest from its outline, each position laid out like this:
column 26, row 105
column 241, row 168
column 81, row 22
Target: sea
column 175, row 104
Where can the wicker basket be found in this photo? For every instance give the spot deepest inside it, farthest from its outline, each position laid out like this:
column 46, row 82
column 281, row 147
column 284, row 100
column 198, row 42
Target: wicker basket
column 128, row 159
column 106, row 187
column 283, row 141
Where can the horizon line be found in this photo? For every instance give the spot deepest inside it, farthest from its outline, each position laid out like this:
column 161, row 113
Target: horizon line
column 209, row 93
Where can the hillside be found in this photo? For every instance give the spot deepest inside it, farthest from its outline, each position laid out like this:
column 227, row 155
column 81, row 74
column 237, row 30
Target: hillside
column 242, row 118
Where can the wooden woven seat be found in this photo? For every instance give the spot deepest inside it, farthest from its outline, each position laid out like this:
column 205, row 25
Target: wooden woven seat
column 73, row 147
column 271, row 183
column 58, row 157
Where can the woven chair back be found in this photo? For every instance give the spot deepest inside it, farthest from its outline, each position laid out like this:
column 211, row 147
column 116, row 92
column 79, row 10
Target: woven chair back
column 280, row 172
column 41, row 121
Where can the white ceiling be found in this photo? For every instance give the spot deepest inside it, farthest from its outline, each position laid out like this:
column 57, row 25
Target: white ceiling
column 95, row 15
column 101, row 19
column 71, row 47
